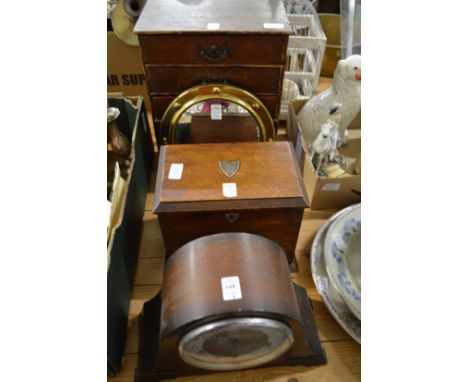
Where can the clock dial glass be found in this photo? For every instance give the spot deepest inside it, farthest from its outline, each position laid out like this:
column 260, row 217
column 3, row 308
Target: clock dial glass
column 235, row 343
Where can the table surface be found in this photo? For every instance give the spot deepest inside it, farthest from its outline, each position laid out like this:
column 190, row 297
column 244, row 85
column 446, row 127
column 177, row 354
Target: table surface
column 343, row 353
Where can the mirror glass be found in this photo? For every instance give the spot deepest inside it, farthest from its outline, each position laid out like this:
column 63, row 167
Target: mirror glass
column 216, row 121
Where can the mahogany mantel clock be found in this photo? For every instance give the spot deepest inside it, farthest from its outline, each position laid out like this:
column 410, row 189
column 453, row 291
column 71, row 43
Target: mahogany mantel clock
column 227, row 303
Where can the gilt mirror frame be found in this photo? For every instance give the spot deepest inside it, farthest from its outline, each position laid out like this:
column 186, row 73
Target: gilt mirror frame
column 206, row 92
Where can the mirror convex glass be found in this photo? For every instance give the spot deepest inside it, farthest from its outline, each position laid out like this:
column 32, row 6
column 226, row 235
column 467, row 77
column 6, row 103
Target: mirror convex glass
column 216, row 121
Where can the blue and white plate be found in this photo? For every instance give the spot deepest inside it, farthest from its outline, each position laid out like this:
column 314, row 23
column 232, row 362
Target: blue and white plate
column 342, row 252
column 335, row 305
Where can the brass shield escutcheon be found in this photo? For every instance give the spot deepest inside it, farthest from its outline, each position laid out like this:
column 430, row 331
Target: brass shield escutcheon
column 229, row 167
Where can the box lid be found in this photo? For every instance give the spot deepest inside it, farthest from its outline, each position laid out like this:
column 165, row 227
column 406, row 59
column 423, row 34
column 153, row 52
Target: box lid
column 213, row 16
column 268, row 176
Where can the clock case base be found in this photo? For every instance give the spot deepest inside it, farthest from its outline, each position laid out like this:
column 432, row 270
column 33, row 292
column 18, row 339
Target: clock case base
column 149, row 325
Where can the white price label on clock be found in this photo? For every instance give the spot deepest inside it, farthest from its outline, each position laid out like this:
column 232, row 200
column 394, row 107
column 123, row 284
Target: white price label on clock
column 231, row 289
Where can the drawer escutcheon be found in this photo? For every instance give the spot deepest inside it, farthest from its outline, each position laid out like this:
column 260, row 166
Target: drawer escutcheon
column 232, row 217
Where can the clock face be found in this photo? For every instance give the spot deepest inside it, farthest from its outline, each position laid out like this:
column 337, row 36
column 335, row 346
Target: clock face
column 235, row 343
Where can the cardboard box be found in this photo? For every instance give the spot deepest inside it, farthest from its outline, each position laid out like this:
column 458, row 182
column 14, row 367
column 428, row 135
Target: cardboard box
column 125, row 73
column 122, row 250
column 325, row 193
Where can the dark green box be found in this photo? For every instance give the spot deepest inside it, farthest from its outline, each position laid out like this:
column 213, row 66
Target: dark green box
column 124, row 242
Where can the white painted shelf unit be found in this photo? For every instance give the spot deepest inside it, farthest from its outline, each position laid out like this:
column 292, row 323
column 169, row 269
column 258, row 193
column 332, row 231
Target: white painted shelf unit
column 306, row 48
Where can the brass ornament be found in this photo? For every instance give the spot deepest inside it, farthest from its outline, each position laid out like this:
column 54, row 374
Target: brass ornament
column 229, row 167
column 123, row 25
column 134, row 7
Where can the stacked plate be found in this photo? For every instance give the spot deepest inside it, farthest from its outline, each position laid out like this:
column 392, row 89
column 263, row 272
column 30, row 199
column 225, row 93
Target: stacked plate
column 336, row 268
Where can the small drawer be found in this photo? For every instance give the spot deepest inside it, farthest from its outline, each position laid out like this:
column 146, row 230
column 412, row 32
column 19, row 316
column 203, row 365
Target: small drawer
column 205, row 49
column 159, row 104
column 176, row 79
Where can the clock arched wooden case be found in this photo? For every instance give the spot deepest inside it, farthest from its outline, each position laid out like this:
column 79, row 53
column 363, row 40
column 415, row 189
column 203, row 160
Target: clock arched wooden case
column 227, row 303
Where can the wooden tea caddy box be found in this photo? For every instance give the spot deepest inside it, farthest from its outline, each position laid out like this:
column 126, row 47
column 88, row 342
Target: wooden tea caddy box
column 269, row 197
column 237, row 42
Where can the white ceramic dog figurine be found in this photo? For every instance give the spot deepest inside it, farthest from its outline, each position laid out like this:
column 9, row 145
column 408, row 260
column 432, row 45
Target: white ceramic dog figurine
column 346, row 90
column 326, row 143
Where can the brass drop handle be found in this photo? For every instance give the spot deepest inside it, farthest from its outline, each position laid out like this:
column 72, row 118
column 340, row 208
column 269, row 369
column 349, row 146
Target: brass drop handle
column 231, row 217
column 214, row 52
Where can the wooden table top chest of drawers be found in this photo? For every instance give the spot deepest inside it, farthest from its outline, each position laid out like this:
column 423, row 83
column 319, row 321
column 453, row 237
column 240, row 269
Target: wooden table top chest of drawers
column 269, row 197
column 240, row 42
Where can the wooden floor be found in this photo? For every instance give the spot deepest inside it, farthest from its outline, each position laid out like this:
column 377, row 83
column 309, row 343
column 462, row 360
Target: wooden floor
column 344, row 354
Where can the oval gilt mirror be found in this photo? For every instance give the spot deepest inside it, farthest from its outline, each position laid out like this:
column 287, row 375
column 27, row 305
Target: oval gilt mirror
column 216, row 113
